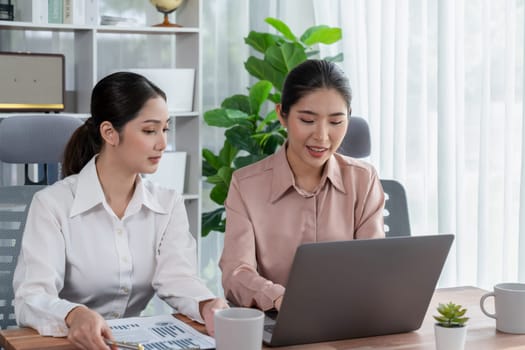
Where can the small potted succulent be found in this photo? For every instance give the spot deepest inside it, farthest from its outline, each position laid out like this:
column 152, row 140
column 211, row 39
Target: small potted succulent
column 451, row 329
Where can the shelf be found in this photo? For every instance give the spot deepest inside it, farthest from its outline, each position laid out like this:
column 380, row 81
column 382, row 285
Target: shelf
column 85, row 116
column 94, row 51
column 190, row 197
column 99, row 28
column 144, row 30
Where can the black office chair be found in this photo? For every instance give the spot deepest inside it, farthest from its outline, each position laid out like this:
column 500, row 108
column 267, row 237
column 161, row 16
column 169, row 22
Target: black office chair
column 36, row 139
column 25, row 139
column 357, row 144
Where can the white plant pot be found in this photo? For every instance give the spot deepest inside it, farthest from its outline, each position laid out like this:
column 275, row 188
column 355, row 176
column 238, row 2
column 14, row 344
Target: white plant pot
column 450, row 338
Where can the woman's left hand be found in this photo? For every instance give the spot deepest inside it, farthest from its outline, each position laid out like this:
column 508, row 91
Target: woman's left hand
column 208, row 308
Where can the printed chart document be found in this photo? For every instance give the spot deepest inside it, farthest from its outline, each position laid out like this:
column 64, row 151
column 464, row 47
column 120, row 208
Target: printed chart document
column 161, row 332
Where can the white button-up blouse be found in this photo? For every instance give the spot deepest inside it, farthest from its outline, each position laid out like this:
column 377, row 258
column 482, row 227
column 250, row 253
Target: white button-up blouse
column 75, row 250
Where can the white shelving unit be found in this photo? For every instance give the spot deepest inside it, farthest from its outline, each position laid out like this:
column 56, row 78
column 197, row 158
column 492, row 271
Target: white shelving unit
column 93, row 51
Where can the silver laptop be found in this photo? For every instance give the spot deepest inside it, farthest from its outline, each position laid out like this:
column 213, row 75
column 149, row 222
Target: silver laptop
column 360, row 288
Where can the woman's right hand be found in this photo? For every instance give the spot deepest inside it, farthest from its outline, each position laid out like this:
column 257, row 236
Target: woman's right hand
column 277, row 303
column 87, row 329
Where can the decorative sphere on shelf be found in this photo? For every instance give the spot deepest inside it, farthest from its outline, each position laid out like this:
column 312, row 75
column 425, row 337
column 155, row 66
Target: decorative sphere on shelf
column 166, row 7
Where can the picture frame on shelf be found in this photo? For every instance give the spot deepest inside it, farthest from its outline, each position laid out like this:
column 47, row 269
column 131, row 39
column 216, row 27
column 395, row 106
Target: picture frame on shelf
column 177, row 83
column 32, row 82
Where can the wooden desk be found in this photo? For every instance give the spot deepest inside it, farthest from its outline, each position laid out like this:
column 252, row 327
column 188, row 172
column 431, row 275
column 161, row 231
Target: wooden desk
column 481, row 335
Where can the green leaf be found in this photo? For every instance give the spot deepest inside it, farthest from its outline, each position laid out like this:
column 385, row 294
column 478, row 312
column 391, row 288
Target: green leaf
column 281, row 27
column 275, row 98
column 337, row 58
column 240, row 118
column 215, row 179
column 218, row 193
column 225, row 173
column 264, row 71
column 238, row 102
column 217, row 117
column 212, row 221
column 228, row 153
column 461, row 313
column 463, row 320
column 312, row 53
column 207, row 169
column 226, row 118
column 285, row 57
column 272, row 142
column 258, row 94
column 440, row 319
column 247, row 160
column 270, row 117
column 241, row 138
column 321, row 34
column 262, row 41
column 273, row 125
column 211, row 159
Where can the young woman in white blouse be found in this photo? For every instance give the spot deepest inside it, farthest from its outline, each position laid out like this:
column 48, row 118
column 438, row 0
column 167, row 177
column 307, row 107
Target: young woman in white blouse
column 99, row 243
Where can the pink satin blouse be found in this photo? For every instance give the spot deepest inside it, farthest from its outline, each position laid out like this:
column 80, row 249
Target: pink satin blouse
column 268, row 217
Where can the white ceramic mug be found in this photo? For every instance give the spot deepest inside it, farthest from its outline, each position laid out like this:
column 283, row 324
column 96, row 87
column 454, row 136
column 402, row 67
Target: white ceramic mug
column 509, row 301
column 239, row 328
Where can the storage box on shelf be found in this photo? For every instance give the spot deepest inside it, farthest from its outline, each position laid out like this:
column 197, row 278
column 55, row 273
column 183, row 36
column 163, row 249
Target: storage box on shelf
column 92, row 51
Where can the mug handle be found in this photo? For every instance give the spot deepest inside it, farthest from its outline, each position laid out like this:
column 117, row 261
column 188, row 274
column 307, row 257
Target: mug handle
column 482, row 304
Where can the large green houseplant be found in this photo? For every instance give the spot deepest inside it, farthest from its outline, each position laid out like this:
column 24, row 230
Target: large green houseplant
column 252, row 133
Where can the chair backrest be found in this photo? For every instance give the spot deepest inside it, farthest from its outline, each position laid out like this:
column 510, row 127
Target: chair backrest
column 357, row 144
column 396, row 218
column 357, row 139
column 25, row 139
column 36, row 139
column 14, row 205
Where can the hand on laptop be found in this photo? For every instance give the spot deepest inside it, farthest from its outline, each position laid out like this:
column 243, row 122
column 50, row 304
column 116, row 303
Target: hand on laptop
column 277, row 303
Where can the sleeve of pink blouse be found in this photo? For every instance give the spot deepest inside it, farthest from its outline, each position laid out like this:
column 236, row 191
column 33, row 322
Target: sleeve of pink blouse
column 369, row 213
column 241, row 282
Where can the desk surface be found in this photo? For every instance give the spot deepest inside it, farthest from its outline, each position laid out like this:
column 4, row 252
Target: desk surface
column 481, row 334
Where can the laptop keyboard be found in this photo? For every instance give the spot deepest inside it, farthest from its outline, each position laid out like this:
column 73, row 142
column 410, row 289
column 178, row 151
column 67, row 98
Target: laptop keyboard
column 272, row 314
column 269, row 322
column 269, row 328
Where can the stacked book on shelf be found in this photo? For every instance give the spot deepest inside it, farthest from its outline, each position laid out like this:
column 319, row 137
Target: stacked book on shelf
column 118, row 21
column 7, row 11
column 78, row 12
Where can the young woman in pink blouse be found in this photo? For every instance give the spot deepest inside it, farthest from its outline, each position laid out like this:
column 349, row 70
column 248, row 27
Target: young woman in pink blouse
column 305, row 192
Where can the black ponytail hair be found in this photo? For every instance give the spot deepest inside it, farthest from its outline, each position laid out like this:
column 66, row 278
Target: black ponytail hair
column 117, row 98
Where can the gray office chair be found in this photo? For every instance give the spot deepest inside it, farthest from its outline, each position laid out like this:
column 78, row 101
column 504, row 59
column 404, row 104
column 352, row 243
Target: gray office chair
column 25, row 139
column 357, row 144
column 397, row 222
column 36, row 139
column 14, row 204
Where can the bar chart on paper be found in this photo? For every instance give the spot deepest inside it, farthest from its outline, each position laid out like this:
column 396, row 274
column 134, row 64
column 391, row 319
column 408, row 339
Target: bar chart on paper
column 159, row 333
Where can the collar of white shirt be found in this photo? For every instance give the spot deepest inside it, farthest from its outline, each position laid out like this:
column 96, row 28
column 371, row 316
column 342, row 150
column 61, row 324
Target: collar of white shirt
column 89, row 193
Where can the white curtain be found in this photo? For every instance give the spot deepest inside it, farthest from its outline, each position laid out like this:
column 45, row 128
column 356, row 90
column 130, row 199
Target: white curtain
column 441, row 85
